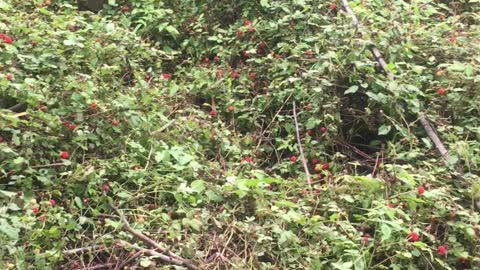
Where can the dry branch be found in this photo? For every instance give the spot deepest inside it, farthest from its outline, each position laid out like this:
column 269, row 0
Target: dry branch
column 165, row 255
column 300, row 147
column 99, row 266
column 83, row 249
column 381, row 61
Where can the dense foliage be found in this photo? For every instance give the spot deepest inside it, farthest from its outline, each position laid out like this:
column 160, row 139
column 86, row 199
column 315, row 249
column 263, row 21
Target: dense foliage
column 180, row 113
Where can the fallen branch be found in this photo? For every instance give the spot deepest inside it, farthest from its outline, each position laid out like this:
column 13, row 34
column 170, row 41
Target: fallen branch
column 166, row 255
column 152, row 253
column 162, row 129
column 434, row 137
column 99, row 266
column 381, row 61
column 47, row 165
column 83, row 249
column 299, row 141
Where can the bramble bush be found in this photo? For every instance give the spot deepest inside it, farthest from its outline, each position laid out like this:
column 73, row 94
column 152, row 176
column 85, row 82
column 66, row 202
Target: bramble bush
column 180, row 113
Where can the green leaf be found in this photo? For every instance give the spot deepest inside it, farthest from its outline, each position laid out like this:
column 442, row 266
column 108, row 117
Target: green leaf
column 384, row 130
column 145, row 262
column 264, row 3
column 78, row 202
column 172, row 31
column 198, row 186
column 351, row 90
column 386, row 232
column 8, row 230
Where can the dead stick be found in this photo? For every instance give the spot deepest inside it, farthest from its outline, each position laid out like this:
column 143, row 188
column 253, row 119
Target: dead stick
column 431, row 133
column 378, row 56
column 299, row 141
column 152, row 253
column 100, row 266
column 47, row 165
column 83, row 249
column 169, row 257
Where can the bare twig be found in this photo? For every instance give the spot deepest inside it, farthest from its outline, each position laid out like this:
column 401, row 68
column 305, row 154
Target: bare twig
column 83, row 249
column 273, row 119
column 129, row 260
column 47, row 165
column 152, row 253
column 300, row 147
column 378, row 56
column 162, row 129
column 165, row 255
column 434, row 137
column 99, row 266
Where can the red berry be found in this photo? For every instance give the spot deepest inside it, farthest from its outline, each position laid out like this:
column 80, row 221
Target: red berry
column 251, row 29
column 391, row 206
column 441, row 91
column 147, row 77
column 308, row 52
column 315, row 161
column 309, row 132
column 304, row 192
column 270, row 186
column 106, row 187
column 234, row 74
column 247, row 22
column 43, row 218
column 366, row 238
column 262, row 45
column 9, row 77
column 252, row 75
column 52, row 202
column 42, row 107
column 64, row 155
column 213, row 113
column 333, row 6
column 325, row 166
column 413, row 237
column 442, row 250
column 65, row 123
column 239, row 34
column 318, row 191
column 420, row 190
column 8, row 40
column 72, row 127
column 293, row 158
column 231, row 108
column 166, row 76
column 216, row 58
column 323, row 129
column 221, row 73
column 2, row 36
column 115, row 123
column 206, row 60
column 87, row 200
column 247, row 159
column 93, row 106
column 310, row 180
column 35, row 210
column 125, row 9
column 452, row 39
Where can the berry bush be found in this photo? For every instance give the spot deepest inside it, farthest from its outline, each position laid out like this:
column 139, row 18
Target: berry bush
column 180, row 119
